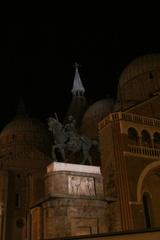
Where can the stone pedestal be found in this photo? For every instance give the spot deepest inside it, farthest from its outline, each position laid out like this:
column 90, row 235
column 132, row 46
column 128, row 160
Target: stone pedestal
column 75, row 202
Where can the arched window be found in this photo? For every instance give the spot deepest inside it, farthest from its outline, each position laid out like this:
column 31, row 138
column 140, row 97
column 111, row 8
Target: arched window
column 147, row 209
column 156, row 139
column 145, row 138
column 132, row 136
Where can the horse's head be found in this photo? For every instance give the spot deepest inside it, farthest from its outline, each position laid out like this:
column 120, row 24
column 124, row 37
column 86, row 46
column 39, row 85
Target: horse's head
column 51, row 124
column 55, row 127
column 54, row 124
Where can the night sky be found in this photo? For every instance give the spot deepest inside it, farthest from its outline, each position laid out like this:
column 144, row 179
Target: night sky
column 37, row 62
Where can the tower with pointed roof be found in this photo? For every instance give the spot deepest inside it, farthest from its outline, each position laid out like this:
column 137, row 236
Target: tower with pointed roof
column 78, row 104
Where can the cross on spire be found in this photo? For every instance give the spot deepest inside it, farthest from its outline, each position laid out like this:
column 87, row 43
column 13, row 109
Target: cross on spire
column 76, row 65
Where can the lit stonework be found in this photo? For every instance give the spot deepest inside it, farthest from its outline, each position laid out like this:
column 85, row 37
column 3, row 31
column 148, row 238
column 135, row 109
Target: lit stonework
column 45, row 199
column 133, row 156
column 82, row 186
column 74, row 198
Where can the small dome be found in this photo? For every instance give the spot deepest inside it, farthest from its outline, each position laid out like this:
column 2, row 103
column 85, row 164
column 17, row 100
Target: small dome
column 139, row 80
column 25, row 132
column 94, row 114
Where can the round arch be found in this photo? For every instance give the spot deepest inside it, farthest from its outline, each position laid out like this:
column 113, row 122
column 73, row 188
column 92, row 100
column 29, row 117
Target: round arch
column 145, row 138
column 143, row 174
column 133, row 136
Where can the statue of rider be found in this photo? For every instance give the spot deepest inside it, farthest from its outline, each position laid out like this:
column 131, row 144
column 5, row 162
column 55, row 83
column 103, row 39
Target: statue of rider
column 70, row 127
column 68, row 141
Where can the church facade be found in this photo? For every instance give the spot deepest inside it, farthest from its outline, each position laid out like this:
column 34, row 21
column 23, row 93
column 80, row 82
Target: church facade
column 45, row 199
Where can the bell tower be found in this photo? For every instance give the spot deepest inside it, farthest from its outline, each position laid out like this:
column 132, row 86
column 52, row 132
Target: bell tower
column 78, row 102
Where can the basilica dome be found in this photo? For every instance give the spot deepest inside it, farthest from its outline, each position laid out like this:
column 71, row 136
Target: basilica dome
column 23, row 133
column 140, row 79
column 94, row 114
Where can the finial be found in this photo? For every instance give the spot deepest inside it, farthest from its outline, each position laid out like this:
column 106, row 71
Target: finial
column 76, row 65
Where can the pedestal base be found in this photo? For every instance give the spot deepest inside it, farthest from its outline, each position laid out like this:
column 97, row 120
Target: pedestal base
column 75, row 203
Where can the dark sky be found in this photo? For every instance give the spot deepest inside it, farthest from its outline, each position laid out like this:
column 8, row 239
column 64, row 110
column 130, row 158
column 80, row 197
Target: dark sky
column 37, row 62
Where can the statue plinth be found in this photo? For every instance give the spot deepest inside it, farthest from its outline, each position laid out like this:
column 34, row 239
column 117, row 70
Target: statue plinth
column 73, row 180
column 59, row 166
column 75, row 203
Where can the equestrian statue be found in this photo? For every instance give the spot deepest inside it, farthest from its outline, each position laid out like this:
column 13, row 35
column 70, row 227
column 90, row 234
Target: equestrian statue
column 67, row 139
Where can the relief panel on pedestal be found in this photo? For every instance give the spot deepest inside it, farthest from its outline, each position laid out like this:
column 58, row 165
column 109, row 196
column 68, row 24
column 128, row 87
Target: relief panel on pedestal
column 78, row 185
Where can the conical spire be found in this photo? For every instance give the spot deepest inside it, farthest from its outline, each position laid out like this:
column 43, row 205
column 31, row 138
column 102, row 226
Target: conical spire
column 78, row 88
column 78, row 103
